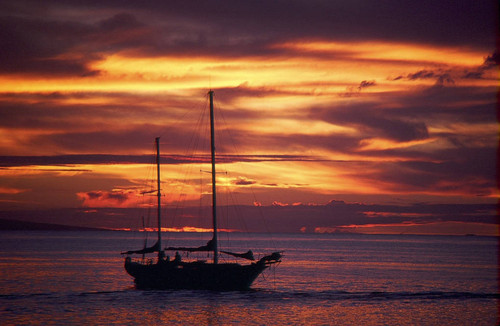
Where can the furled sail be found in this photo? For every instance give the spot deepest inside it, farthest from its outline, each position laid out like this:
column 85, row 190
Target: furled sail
column 273, row 258
column 208, row 247
column 247, row 255
column 146, row 250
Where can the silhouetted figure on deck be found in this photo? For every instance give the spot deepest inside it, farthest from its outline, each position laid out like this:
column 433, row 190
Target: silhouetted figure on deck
column 177, row 257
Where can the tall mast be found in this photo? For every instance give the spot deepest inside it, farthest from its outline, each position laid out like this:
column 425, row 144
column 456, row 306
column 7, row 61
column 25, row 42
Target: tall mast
column 157, row 142
column 214, row 192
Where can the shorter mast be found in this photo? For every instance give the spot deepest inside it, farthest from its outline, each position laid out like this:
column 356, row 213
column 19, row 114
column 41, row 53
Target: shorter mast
column 157, row 142
column 214, row 189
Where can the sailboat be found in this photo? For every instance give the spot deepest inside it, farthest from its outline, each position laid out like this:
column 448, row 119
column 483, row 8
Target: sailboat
column 178, row 274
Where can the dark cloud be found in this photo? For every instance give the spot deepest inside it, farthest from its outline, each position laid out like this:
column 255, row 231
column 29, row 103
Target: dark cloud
column 72, row 160
column 411, row 114
column 241, row 181
column 120, row 22
column 448, row 104
column 445, row 79
column 366, row 83
column 230, row 94
column 454, row 171
column 34, row 44
column 466, row 23
column 394, row 129
column 31, row 45
column 451, row 75
column 36, row 38
column 373, row 122
column 490, row 62
column 126, row 124
column 12, row 161
column 352, row 91
column 441, row 77
column 117, row 196
column 422, row 74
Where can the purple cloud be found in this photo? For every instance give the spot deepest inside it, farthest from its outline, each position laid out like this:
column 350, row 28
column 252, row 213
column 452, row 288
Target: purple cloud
column 34, row 39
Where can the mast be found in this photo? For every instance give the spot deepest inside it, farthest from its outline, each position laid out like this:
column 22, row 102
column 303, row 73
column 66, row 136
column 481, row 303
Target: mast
column 214, row 193
column 157, row 142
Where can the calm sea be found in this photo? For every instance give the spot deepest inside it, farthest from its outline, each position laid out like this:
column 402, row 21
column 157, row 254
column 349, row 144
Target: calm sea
column 78, row 278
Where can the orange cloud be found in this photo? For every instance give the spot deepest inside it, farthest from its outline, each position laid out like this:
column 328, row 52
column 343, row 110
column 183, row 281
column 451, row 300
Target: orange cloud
column 116, row 198
column 8, row 190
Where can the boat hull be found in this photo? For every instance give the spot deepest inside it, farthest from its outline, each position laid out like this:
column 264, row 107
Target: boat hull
column 194, row 275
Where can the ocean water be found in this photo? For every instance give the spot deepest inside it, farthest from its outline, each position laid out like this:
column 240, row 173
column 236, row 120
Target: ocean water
column 77, row 278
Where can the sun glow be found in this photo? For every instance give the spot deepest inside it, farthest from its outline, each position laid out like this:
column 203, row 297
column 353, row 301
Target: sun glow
column 315, row 115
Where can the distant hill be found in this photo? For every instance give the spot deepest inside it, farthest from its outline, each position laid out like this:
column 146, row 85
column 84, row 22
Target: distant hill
column 15, row 225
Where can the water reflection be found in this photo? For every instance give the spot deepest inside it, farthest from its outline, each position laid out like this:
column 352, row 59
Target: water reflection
column 327, row 280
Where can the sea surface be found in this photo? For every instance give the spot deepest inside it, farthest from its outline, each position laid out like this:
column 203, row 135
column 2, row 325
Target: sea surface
column 77, row 278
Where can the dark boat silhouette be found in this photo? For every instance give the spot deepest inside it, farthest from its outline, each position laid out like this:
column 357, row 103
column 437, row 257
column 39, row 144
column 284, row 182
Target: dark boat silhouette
column 177, row 274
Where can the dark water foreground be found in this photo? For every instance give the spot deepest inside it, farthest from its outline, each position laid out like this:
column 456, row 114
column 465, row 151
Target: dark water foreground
column 77, row 278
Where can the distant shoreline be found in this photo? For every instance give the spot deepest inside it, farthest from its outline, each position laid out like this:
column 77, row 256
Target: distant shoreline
column 16, row 225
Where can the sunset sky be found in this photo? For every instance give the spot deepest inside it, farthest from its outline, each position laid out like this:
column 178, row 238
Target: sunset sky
column 332, row 116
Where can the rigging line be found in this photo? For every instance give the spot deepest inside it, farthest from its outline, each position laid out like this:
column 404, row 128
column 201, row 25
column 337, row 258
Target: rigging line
column 141, row 204
column 223, row 211
column 187, row 168
column 192, row 150
column 195, row 152
column 237, row 210
column 148, row 185
column 220, row 113
column 151, row 180
column 224, row 133
column 179, row 121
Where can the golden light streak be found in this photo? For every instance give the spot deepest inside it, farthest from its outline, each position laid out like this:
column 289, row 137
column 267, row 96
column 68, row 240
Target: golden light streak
column 391, row 51
column 435, row 228
column 316, row 177
column 384, row 144
column 35, row 170
column 348, row 65
column 90, row 84
column 292, row 126
column 9, row 190
column 477, row 129
column 340, row 65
